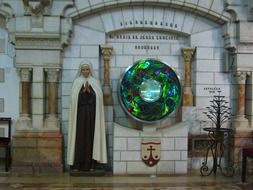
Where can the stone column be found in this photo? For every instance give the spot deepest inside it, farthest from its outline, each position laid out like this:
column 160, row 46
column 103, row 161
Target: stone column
column 188, row 54
column 52, row 121
column 240, row 122
column 106, row 51
column 24, row 121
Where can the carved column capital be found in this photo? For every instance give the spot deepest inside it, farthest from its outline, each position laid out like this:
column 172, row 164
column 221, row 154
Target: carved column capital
column 188, row 54
column 241, row 76
column 38, row 7
column 106, row 51
column 52, row 74
column 25, row 74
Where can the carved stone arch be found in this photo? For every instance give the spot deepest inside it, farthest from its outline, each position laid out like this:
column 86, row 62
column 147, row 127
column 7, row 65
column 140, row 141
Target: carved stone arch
column 210, row 13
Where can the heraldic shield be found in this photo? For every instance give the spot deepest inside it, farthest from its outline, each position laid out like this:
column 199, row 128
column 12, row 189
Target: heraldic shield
column 150, row 152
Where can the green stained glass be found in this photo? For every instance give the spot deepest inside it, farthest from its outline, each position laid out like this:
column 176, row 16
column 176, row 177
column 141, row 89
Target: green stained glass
column 149, row 90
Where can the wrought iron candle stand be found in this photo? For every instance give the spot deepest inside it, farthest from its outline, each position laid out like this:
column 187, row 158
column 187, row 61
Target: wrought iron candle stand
column 218, row 113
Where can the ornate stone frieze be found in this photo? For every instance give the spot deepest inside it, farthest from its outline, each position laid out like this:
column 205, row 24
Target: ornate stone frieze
column 37, row 43
column 37, row 7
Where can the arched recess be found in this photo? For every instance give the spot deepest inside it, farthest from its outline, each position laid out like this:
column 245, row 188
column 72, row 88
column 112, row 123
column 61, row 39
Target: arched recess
column 192, row 26
column 178, row 25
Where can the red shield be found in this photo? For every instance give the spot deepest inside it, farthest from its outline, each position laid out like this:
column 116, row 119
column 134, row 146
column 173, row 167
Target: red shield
column 150, row 152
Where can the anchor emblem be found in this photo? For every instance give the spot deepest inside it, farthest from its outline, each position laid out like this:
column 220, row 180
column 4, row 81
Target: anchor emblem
column 150, row 152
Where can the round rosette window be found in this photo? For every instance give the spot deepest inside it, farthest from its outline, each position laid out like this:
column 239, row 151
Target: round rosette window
column 149, row 90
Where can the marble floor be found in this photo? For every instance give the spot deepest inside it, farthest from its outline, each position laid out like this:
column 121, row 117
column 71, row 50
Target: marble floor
column 191, row 181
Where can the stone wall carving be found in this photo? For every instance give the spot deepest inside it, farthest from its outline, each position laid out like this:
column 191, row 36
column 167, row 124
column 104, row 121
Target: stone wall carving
column 39, row 7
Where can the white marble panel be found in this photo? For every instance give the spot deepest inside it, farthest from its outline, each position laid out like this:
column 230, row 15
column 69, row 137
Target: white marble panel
column 117, row 18
column 90, row 51
column 120, row 131
column 181, row 167
column 149, row 16
column 68, row 75
column 116, row 155
column 179, row 19
column 169, row 17
column 173, row 61
column 218, row 6
column 184, row 155
column 204, row 53
column 158, row 17
column 83, row 35
column 115, row 73
column 96, row 2
column 170, row 155
column 167, row 144
column 72, row 51
column 37, row 106
column 127, row 16
column 120, row 143
column 213, row 38
column 71, row 63
column 133, row 144
column 66, row 89
column 64, row 114
column 204, row 78
column 166, row 167
column 117, row 48
column 139, row 168
column 130, row 156
column 138, row 16
column 52, row 24
column 202, row 24
column 38, row 74
column 176, row 49
column 177, row 130
column 81, row 4
column 38, row 90
column 124, row 61
column 107, row 21
column 188, row 113
column 222, row 78
column 188, row 23
column 181, row 143
column 93, row 22
column 23, row 24
column 209, row 65
column 245, row 61
column 219, row 54
column 119, row 167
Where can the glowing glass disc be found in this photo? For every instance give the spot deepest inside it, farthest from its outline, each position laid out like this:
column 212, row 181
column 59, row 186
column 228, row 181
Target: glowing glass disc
column 149, row 90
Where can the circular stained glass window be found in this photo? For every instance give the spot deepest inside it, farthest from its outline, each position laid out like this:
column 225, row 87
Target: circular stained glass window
column 149, row 90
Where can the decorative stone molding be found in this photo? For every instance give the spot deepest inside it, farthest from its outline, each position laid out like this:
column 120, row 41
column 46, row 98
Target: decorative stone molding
column 38, row 42
column 37, row 7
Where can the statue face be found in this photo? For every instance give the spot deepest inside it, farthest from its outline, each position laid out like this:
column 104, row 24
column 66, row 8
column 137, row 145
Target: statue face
column 86, row 71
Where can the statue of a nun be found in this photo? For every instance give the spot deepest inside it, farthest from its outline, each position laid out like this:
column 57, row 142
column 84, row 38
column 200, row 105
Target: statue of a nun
column 86, row 132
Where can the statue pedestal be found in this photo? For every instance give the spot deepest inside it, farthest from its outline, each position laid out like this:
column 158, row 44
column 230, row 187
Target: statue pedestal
column 37, row 152
column 96, row 172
